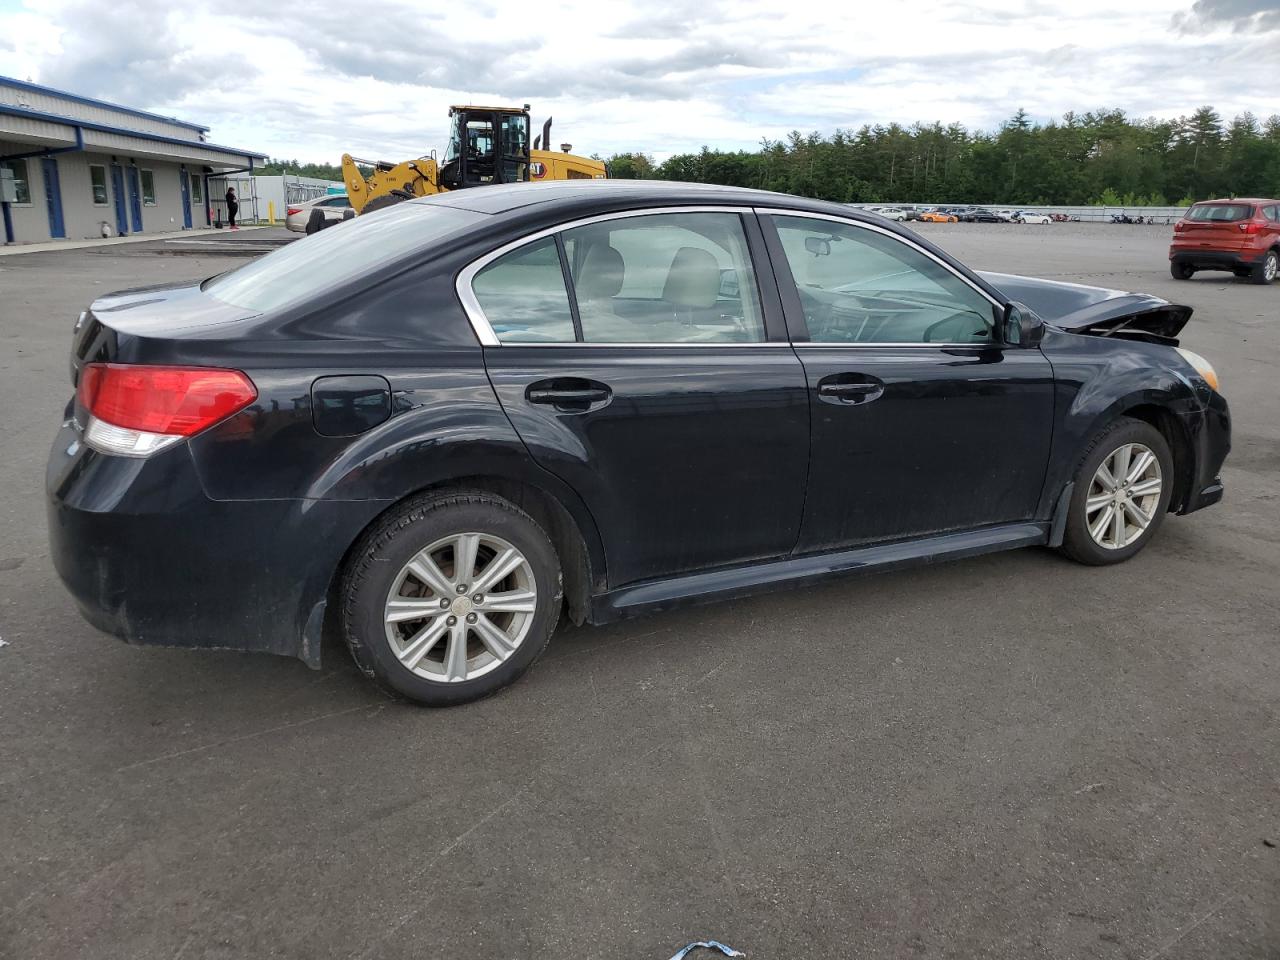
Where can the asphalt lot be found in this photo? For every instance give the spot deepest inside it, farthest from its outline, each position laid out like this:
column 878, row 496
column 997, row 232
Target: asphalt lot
column 1013, row 756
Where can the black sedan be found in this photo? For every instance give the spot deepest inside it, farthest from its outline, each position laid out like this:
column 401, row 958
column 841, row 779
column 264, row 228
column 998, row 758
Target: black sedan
column 434, row 428
column 980, row 215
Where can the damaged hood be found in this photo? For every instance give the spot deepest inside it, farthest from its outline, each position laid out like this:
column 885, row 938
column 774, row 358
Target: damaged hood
column 1096, row 310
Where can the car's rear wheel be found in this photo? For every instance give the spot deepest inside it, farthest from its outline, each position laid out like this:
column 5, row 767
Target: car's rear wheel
column 450, row 598
column 1180, row 271
column 1264, row 271
column 1121, row 494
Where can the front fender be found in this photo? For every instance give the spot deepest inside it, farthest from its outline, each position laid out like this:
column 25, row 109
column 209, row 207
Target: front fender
column 1098, row 380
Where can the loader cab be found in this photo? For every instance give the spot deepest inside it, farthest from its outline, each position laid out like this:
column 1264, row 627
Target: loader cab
column 486, row 145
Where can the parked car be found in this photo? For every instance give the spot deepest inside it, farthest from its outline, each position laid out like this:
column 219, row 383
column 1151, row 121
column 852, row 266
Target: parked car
column 892, row 213
column 1030, row 216
column 1008, row 216
column 298, row 216
column 1242, row 236
column 980, row 215
column 435, row 429
column 938, row 216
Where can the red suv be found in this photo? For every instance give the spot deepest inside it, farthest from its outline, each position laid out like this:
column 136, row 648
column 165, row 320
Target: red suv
column 1242, row 236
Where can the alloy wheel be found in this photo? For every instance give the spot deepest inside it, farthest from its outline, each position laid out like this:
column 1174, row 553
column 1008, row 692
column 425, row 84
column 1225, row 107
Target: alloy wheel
column 1269, row 267
column 460, row 607
column 1123, row 496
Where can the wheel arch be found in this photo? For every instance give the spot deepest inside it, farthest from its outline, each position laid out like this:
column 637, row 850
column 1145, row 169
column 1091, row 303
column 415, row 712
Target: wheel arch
column 1174, row 431
column 572, row 533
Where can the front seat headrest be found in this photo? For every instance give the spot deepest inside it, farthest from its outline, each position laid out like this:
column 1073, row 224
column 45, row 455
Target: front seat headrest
column 602, row 273
column 693, row 280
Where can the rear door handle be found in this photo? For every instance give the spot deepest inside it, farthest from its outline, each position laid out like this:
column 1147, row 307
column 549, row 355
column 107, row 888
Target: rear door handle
column 846, row 389
column 569, row 394
column 849, row 388
column 583, row 395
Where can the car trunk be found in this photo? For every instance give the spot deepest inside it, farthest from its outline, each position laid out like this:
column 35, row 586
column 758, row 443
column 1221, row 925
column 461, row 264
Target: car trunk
column 141, row 325
column 1214, row 234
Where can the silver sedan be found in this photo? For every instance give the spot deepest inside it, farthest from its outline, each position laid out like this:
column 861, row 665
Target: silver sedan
column 298, row 215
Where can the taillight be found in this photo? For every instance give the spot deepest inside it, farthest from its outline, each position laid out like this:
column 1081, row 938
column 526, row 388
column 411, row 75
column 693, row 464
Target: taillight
column 1252, row 226
column 136, row 410
column 1179, row 226
column 290, row 211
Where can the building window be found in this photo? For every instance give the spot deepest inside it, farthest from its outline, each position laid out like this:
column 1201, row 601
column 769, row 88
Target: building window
column 98, row 178
column 197, row 191
column 21, row 185
column 148, row 188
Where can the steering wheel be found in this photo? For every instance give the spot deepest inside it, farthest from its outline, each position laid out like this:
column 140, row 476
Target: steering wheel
column 817, row 312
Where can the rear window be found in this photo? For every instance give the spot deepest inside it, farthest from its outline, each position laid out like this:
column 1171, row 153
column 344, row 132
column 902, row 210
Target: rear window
column 332, row 257
column 1220, row 212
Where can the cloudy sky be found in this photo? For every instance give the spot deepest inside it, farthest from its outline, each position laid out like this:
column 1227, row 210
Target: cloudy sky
column 661, row 76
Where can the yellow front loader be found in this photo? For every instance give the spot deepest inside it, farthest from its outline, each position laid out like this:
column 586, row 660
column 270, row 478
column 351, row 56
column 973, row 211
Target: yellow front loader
column 486, row 145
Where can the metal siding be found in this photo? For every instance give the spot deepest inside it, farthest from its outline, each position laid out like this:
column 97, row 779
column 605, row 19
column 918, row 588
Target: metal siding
column 29, row 131
column 141, row 147
column 30, row 221
column 82, row 219
column 63, row 106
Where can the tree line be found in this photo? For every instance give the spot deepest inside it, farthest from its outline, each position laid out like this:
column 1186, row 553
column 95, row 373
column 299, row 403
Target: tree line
column 1100, row 157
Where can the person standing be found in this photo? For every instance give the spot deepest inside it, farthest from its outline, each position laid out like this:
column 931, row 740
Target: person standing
column 233, row 207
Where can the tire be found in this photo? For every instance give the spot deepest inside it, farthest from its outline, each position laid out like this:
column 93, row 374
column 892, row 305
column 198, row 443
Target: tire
column 1180, row 271
column 421, row 664
column 382, row 201
column 316, row 221
column 1079, row 542
column 1264, row 271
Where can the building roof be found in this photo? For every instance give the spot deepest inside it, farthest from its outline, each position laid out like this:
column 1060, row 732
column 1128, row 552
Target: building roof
column 92, row 102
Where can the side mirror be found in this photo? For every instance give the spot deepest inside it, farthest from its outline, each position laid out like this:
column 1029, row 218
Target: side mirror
column 1021, row 327
column 818, row 246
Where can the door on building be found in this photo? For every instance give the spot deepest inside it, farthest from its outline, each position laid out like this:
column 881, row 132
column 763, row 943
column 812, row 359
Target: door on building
column 117, row 193
column 186, row 198
column 53, row 198
column 135, row 199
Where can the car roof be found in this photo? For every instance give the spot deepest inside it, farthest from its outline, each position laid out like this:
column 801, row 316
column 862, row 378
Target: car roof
column 575, row 194
column 1200, row 203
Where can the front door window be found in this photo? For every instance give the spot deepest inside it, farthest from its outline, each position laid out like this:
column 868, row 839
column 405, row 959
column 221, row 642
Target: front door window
column 861, row 286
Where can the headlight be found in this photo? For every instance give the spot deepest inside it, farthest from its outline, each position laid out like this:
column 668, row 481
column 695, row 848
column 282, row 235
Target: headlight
column 1203, row 367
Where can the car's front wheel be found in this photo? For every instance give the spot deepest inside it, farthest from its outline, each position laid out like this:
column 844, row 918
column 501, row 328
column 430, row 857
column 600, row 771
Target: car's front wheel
column 1122, row 490
column 1264, row 271
column 450, row 598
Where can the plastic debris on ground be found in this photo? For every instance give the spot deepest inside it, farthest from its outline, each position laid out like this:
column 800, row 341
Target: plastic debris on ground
column 709, row 945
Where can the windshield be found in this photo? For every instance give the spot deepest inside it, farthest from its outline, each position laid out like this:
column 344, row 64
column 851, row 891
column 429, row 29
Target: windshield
column 451, row 151
column 1219, row 212
column 332, row 257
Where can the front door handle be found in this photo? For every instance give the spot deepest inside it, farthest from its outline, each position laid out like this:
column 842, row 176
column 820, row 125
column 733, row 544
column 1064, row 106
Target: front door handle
column 571, row 394
column 847, row 388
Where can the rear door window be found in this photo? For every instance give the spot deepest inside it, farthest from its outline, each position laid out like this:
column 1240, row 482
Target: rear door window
column 523, row 295
column 665, row 278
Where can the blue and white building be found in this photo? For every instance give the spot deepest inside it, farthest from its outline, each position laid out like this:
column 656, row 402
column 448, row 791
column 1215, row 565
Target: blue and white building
column 87, row 168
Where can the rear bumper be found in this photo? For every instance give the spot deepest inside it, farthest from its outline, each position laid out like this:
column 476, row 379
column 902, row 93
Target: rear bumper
column 149, row 558
column 1215, row 259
